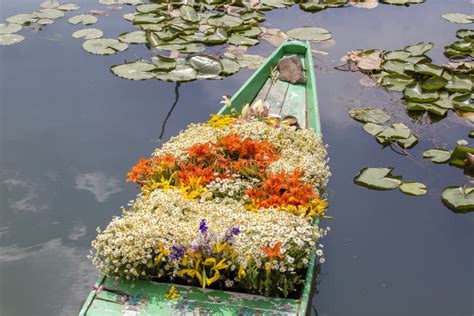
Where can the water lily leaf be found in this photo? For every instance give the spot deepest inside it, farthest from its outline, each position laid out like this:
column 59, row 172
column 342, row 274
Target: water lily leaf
column 312, row 6
column 397, row 66
column 218, row 37
column 434, row 83
column 49, row 14
column 471, row 134
column 147, row 19
column 10, row 39
column 163, row 63
column 130, row 16
column 84, row 19
column 188, row 13
column 419, row 48
column 397, row 54
column 23, row 19
column 365, row 4
column 429, row 69
column 253, row 15
column 88, row 34
column 191, row 48
column 368, row 60
column 402, row 2
column 413, row 188
column 398, row 80
column 227, row 21
column 373, row 129
column 104, row 46
column 229, row 67
column 461, row 84
column 251, row 61
column 45, row 21
column 49, row 4
column 137, row 37
column 437, row 155
column 458, row 156
column 236, row 39
column 407, row 142
column 430, row 107
column 69, row 7
column 253, row 32
column 206, row 65
column 395, row 131
column 278, row 3
column 416, row 94
column 9, row 28
column 368, row 115
column 377, row 179
column 460, row 18
column 462, row 46
column 149, row 7
column 464, row 32
column 182, row 73
column 137, row 70
column 463, row 102
column 458, row 198
column 274, row 36
column 132, row 2
column 309, row 34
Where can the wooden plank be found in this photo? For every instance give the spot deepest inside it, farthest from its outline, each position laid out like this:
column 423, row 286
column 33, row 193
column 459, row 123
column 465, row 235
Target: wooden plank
column 276, row 96
column 262, row 95
column 295, row 103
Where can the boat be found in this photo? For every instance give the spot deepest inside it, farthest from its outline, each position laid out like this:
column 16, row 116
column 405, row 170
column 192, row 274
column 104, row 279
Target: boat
column 127, row 297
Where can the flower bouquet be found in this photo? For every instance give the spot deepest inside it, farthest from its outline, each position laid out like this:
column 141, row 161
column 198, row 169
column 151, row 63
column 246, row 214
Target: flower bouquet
column 227, row 204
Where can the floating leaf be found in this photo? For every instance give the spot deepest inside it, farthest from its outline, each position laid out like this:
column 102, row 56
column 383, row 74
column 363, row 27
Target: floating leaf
column 460, row 18
column 45, row 21
column 365, row 60
column 471, row 134
column 398, row 80
column 396, row 66
column 225, row 20
column 229, row 67
column 437, row 155
column 397, row 54
column 49, row 14
column 182, row 73
column 463, row 103
column 309, row 34
column 461, row 84
column 206, row 65
column 69, row 7
column 413, row 188
column 458, row 156
column 373, row 129
column 137, row 37
column 10, row 39
column 430, row 107
column 434, row 83
column 416, row 94
column 23, row 19
column 402, row 2
column 132, row 2
column 429, row 69
column 9, row 28
column 189, row 14
column 395, row 131
column 464, row 32
column 236, row 39
column 377, row 179
column 129, row 16
column 88, row 34
column 84, row 19
column 364, row 4
column 138, row 70
column 274, row 36
column 49, row 4
column 163, row 63
column 458, row 198
column 419, row 48
column 104, row 46
column 251, row 61
column 368, row 115
column 149, row 7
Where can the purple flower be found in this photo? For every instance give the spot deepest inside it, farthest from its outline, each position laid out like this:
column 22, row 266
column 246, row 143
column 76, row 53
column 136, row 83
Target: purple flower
column 203, row 226
column 177, row 252
column 231, row 233
column 235, row 231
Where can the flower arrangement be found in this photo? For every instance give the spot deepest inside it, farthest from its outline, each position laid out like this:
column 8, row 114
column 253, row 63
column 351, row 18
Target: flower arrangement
column 227, row 204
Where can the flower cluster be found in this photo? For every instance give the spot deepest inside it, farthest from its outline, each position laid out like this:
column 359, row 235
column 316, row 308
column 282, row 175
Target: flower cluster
column 227, row 204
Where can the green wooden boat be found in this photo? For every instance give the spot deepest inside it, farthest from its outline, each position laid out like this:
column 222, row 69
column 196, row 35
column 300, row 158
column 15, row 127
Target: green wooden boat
column 123, row 297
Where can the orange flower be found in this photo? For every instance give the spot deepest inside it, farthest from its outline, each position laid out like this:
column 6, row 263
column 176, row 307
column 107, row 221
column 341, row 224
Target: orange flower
column 140, row 171
column 274, row 252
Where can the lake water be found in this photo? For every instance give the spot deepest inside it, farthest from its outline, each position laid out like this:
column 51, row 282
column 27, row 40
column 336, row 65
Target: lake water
column 70, row 130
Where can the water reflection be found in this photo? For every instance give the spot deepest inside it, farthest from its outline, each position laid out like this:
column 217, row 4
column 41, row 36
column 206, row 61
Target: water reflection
column 98, row 184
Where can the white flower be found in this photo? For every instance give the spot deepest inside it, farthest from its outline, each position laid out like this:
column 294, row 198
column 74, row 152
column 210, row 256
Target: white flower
column 322, row 260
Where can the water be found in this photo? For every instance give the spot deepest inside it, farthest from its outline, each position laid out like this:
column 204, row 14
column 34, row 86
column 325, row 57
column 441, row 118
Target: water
column 70, row 130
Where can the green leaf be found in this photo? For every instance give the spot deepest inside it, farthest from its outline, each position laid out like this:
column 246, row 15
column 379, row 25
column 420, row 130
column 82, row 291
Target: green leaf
column 429, row 69
column 104, row 46
column 419, row 49
column 88, row 34
column 309, row 34
column 395, row 131
column 471, row 134
column 437, row 155
column 206, row 65
column 49, row 14
column 69, row 7
column 464, row 32
column 460, row 18
column 377, row 179
column 236, row 39
column 227, row 21
column 189, row 14
column 395, row 79
column 10, row 39
column 9, row 28
column 462, row 46
column 229, row 67
column 373, row 129
column 251, row 61
column 461, row 84
column 369, row 115
column 149, row 7
column 463, row 103
column 397, row 54
column 458, row 156
column 138, row 70
column 413, row 188
column 396, row 66
column 414, row 93
column 434, row 83
column 402, row 2
column 84, row 19
column 137, row 37
column 458, row 198
column 182, row 73
column 23, row 19
column 163, row 63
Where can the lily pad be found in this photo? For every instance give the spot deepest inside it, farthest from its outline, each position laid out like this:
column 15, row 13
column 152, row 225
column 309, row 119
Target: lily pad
column 373, row 129
column 229, row 67
column 368, row 115
column 206, row 65
column 378, row 179
column 45, row 21
column 402, row 2
column 69, row 7
column 419, row 48
column 49, row 4
column 163, row 63
column 309, row 34
column 137, row 37
column 10, row 39
column 397, row 54
column 9, row 28
column 458, row 198
column 458, row 156
column 182, row 73
column 437, row 155
column 227, row 21
column 416, row 94
column 49, row 14
column 88, row 34
column 395, row 131
column 429, row 69
column 23, row 19
column 84, row 19
column 434, row 83
column 397, row 66
column 398, row 80
column 236, row 39
column 189, row 14
column 462, row 84
column 460, row 18
column 464, row 32
column 251, row 61
column 104, row 46
column 138, row 70
column 413, row 188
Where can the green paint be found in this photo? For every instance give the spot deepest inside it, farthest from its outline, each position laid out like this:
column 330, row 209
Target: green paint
column 147, row 297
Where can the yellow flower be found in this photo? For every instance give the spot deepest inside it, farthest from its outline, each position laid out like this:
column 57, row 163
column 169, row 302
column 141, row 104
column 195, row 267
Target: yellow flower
column 222, row 247
column 241, row 273
column 195, row 272
column 216, row 266
column 220, row 121
column 163, row 183
column 161, row 252
column 172, row 294
column 193, row 190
